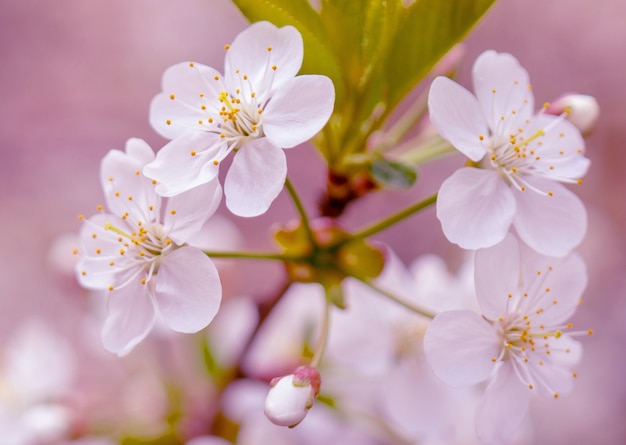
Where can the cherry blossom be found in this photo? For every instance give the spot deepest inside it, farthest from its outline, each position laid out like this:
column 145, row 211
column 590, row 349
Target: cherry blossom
column 522, row 339
column 292, row 396
column 524, row 158
column 255, row 109
column 140, row 252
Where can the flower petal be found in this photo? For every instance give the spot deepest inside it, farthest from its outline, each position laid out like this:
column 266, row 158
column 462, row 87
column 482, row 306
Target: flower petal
column 186, row 162
column 186, row 213
column 503, row 407
column 250, row 55
column 187, row 87
column 551, row 225
column 559, row 151
column 503, row 89
column 475, row 208
column 299, row 110
column 255, row 178
column 131, row 315
column 120, row 181
column 559, row 283
column 497, row 276
column 460, row 346
column 457, row 116
column 188, row 290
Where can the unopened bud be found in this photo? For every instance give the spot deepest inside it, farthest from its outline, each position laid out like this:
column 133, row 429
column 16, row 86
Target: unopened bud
column 291, row 396
column 581, row 110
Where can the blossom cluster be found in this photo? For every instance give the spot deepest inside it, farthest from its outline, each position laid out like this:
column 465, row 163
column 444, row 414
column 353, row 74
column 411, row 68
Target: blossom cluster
column 502, row 329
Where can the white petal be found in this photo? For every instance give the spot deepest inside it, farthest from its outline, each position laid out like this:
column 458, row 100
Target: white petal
column 475, row 207
column 513, row 96
column 560, row 150
column 188, row 290
column 299, row 110
column 255, row 178
column 559, row 284
column 502, row 409
column 192, row 86
column 551, row 225
column 131, row 315
column 551, row 379
column 119, row 179
column 460, row 346
column 457, row 116
column 497, row 276
column 249, row 54
column 176, row 169
column 186, row 213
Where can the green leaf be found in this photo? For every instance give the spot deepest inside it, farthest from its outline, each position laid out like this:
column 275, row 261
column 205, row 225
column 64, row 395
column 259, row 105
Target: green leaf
column 319, row 57
column 393, row 174
column 426, row 32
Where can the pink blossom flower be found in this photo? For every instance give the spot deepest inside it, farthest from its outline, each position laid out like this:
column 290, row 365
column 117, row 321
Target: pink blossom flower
column 520, row 339
column 140, row 254
column 256, row 108
column 524, row 158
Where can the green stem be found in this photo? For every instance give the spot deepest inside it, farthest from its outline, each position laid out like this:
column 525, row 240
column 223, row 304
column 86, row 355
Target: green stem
column 254, row 255
column 321, row 346
column 417, row 154
column 298, row 203
column 396, row 218
column 413, row 308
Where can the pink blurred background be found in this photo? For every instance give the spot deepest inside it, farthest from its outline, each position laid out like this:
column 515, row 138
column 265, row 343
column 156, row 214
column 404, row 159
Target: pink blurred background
column 77, row 78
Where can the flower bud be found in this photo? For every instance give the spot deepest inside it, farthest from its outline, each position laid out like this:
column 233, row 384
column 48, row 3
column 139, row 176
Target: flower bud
column 291, row 396
column 582, row 110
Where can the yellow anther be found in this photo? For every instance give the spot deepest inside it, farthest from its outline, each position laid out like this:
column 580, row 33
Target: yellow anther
column 274, row 67
column 589, row 331
column 94, row 235
column 227, row 46
column 579, row 181
column 122, row 251
column 493, row 359
column 83, row 272
column 99, row 208
column 217, row 77
column 75, row 251
column 574, row 374
column 172, row 97
column 130, row 197
column 193, row 153
column 168, row 122
column 481, row 137
column 530, row 386
column 493, row 91
column 98, row 251
column 550, row 194
column 556, row 395
column 203, row 107
column 216, row 162
column 112, row 263
column 111, row 287
column 154, row 182
column 143, row 281
column 81, row 217
column 269, row 48
column 173, row 212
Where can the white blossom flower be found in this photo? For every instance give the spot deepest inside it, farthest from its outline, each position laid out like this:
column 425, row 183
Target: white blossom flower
column 522, row 338
column 140, row 254
column 256, row 108
column 524, row 157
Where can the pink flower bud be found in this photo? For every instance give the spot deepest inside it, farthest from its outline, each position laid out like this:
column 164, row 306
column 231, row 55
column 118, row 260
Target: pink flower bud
column 291, row 396
column 582, row 110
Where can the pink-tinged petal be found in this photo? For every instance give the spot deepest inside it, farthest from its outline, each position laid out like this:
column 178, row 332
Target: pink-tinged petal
column 560, row 151
column 250, row 55
column 186, row 162
column 460, row 347
column 255, row 178
column 131, row 316
column 551, row 225
column 457, row 116
column 475, row 207
column 512, row 102
column 497, row 276
column 187, row 87
column 120, row 179
column 185, row 214
column 550, row 379
column 188, row 290
column 503, row 407
column 565, row 352
column 555, row 285
column 299, row 110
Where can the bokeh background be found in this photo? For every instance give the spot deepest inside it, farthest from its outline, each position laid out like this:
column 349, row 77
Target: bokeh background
column 76, row 80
